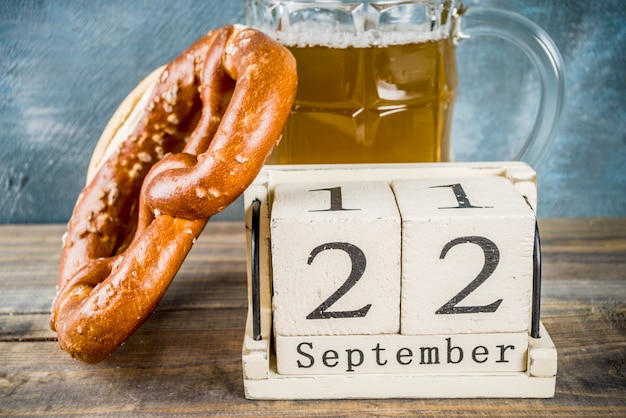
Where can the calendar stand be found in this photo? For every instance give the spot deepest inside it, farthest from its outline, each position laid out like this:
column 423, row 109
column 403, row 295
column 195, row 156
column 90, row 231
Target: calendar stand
column 261, row 379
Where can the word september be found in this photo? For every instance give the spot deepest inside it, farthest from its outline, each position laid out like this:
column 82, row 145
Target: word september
column 399, row 353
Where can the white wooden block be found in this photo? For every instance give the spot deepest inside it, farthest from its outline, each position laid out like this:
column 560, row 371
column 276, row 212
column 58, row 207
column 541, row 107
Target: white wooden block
column 542, row 355
column 401, row 354
column 467, row 247
column 335, row 259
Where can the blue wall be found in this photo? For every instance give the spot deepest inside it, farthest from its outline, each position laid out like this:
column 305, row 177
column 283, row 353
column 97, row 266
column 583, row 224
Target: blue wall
column 66, row 65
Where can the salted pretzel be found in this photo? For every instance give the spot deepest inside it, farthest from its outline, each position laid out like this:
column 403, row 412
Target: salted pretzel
column 184, row 144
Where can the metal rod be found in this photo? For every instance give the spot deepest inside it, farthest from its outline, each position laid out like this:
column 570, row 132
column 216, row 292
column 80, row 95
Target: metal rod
column 256, row 280
column 536, row 302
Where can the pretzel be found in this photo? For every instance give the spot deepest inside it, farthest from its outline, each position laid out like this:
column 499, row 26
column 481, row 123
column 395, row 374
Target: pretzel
column 180, row 148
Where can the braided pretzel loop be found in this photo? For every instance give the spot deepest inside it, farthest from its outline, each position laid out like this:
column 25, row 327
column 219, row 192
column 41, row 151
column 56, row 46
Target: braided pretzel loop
column 212, row 118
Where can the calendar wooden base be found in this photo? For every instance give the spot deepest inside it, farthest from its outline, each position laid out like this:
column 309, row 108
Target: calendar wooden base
column 261, row 377
column 261, row 380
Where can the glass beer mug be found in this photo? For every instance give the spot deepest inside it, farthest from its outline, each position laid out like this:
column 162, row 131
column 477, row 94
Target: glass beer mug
column 378, row 79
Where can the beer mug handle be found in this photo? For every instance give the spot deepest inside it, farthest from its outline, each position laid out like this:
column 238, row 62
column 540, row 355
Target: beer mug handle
column 546, row 59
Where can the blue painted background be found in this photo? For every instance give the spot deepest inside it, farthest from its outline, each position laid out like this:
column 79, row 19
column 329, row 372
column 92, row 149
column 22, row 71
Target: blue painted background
column 65, row 66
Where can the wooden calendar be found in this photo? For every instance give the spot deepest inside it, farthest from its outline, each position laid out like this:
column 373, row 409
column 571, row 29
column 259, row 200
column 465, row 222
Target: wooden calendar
column 395, row 281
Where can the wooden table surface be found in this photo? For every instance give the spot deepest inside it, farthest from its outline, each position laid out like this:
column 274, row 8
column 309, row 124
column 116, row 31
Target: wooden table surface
column 186, row 359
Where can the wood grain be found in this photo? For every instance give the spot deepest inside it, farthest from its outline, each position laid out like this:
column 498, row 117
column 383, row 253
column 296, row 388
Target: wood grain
column 186, row 359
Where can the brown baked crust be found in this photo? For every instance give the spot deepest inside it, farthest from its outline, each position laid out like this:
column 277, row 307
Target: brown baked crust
column 211, row 118
column 223, row 172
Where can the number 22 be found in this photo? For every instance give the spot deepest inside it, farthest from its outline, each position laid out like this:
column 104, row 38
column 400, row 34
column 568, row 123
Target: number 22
column 492, row 258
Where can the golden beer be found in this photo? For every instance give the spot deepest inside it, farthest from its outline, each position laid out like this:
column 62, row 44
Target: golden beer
column 376, row 104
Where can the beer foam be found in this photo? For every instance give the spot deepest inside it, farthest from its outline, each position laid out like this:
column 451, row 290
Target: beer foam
column 311, row 34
